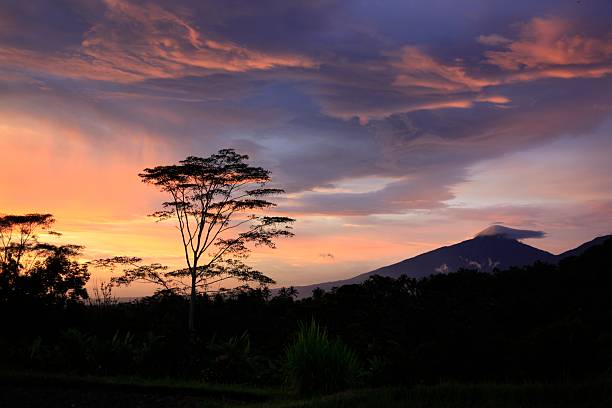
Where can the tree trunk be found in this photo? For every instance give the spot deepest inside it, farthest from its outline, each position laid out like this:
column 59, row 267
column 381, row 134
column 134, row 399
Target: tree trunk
column 192, row 302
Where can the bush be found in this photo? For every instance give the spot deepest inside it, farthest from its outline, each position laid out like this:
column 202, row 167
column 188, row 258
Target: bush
column 317, row 365
column 230, row 361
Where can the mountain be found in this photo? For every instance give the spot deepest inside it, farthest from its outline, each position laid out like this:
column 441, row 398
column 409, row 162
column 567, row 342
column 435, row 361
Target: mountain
column 580, row 249
column 494, row 247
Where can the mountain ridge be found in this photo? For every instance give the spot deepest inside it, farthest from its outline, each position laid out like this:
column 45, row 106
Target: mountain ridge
column 485, row 252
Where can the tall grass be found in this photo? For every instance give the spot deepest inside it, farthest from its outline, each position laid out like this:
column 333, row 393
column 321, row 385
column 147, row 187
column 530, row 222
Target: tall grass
column 316, row 364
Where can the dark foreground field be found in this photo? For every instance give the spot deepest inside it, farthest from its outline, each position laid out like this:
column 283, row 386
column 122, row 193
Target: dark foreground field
column 32, row 390
column 537, row 336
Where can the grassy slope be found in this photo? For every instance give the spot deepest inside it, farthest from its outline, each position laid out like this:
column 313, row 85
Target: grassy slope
column 590, row 395
column 33, row 390
column 22, row 389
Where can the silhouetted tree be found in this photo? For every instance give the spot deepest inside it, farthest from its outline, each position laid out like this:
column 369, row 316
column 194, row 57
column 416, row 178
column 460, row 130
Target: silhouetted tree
column 55, row 278
column 59, row 278
column 289, row 293
column 219, row 204
column 18, row 237
column 134, row 271
column 318, row 293
column 50, row 271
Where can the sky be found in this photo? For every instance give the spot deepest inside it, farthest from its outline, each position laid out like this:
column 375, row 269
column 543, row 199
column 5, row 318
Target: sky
column 394, row 126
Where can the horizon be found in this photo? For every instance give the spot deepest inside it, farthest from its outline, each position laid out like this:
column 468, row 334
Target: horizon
column 276, row 286
column 395, row 129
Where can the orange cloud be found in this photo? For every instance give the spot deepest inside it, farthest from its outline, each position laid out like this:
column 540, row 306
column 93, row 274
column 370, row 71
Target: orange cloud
column 372, row 113
column 136, row 42
column 550, row 48
column 545, row 48
column 416, row 69
column 544, row 43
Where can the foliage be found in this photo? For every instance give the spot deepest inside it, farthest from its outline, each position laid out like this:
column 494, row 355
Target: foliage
column 319, row 365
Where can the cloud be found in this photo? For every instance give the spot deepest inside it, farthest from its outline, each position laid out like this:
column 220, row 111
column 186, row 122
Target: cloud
column 553, row 47
column 433, row 148
column 365, row 115
column 133, row 42
column 492, row 39
column 160, row 42
column 544, row 48
column 400, row 109
column 419, row 191
column 415, row 69
column 327, row 256
column 371, row 116
column 410, row 78
column 510, row 233
column 403, row 81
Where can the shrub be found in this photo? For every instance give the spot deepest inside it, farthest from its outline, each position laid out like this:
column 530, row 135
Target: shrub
column 317, row 365
column 230, row 361
column 74, row 350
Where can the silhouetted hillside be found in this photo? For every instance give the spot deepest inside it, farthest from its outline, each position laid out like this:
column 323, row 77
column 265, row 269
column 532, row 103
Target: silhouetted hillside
column 579, row 250
column 493, row 248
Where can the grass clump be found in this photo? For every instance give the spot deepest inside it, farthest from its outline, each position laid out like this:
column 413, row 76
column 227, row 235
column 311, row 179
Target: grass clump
column 316, row 364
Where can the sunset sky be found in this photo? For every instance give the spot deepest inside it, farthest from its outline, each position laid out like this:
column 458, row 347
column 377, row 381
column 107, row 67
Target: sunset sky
column 394, row 126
